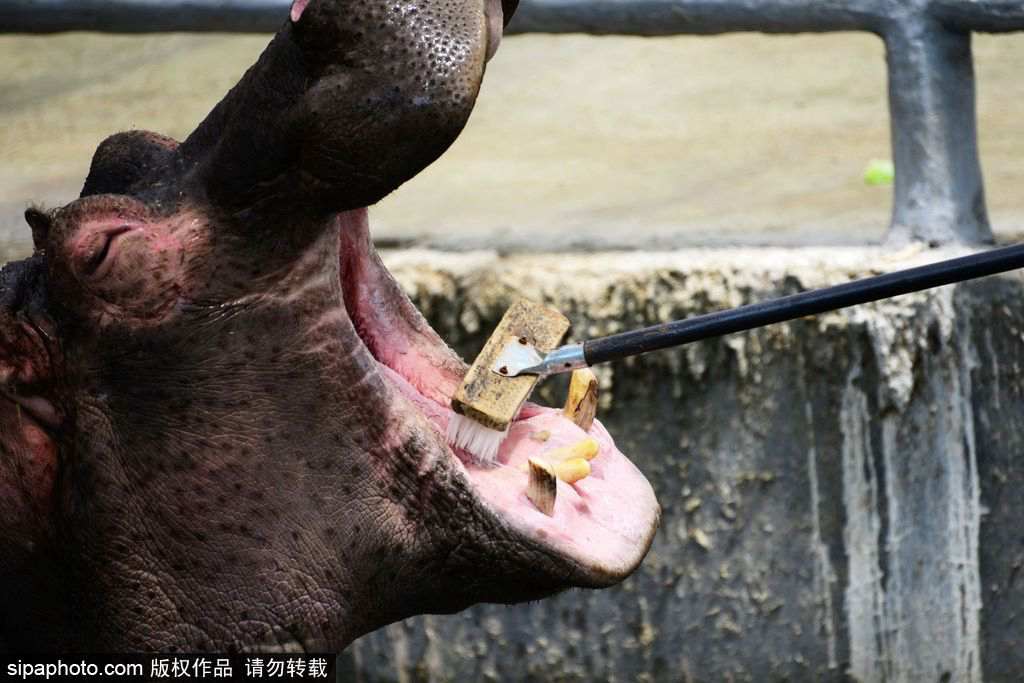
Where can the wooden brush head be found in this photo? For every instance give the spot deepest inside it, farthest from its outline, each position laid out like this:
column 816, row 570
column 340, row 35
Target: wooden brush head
column 485, row 396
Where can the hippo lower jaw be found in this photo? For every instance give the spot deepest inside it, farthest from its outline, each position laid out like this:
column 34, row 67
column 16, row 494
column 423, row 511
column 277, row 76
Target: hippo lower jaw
column 603, row 524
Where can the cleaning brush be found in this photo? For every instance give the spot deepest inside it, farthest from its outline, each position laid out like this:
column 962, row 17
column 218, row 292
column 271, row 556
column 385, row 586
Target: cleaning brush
column 524, row 347
column 486, row 404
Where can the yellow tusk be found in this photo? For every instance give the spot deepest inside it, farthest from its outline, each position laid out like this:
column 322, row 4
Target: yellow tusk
column 572, row 470
column 581, row 403
column 542, row 487
column 586, row 449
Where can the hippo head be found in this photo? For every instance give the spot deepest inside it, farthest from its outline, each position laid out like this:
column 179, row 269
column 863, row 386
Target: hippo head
column 221, row 420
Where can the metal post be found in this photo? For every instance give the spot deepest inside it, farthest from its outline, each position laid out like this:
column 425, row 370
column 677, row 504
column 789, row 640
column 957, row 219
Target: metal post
column 142, row 16
column 939, row 196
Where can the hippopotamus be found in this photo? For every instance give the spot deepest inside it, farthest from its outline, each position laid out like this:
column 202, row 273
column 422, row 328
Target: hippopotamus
column 222, row 421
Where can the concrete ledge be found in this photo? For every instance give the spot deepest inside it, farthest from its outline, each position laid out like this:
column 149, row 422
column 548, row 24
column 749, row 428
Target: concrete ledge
column 841, row 495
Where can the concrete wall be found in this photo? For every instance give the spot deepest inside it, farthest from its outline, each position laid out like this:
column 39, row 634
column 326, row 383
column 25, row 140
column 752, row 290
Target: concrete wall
column 842, row 495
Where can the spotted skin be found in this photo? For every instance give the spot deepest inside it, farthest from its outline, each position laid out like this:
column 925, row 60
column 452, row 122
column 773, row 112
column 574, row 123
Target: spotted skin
column 196, row 452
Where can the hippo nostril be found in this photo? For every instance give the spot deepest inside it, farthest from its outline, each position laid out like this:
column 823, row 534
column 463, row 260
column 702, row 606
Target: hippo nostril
column 508, row 8
column 298, row 7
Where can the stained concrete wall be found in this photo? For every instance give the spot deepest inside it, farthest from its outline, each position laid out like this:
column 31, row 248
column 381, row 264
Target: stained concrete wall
column 842, row 495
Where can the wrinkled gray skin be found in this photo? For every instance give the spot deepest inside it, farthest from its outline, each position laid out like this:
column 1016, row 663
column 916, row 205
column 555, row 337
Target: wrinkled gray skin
column 193, row 450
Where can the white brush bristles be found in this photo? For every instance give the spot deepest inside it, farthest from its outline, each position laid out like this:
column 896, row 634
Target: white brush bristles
column 471, row 436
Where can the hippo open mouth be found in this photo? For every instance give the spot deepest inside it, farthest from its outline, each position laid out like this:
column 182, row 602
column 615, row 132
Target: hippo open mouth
column 604, row 522
column 222, row 421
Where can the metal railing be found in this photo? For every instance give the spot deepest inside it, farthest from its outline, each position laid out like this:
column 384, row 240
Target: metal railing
column 939, row 195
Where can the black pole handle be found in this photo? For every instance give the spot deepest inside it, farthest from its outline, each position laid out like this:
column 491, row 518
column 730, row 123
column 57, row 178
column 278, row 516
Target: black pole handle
column 679, row 332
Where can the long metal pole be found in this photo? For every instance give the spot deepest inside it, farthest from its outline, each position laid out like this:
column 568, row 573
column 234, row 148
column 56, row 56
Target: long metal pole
column 816, row 301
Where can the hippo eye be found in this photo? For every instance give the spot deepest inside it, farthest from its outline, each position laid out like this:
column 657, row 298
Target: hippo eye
column 99, row 252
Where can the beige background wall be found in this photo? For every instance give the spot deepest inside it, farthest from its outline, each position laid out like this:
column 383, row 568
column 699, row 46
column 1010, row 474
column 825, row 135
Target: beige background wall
column 575, row 141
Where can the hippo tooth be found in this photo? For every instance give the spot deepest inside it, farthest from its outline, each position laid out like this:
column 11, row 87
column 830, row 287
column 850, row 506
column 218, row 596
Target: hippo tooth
column 568, row 469
column 581, row 403
column 586, row 449
column 572, row 470
column 542, row 487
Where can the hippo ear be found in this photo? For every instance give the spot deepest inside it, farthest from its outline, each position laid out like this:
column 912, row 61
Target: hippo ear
column 40, row 223
column 125, row 159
